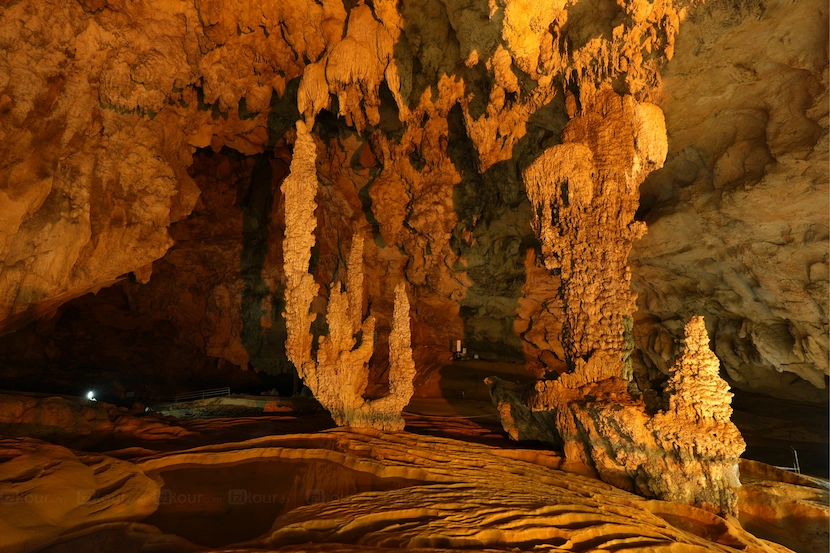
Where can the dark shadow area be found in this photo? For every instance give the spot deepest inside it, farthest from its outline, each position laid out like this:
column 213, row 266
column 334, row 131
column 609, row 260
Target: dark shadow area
column 492, row 246
column 283, row 114
column 217, row 505
column 461, row 407
column 494, row 231
column 486, row 431
column 100, row 343
column 589, row 19
column 263, row 327
column 771, row 427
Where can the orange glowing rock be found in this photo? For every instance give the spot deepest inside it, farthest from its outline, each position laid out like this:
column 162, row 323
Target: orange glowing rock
column 339, row 376
column 686, row 453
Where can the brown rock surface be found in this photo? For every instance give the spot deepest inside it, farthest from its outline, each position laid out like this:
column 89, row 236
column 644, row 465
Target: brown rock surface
column 687, row 452
column 47, row 490
column 786, row 508
column 515, row 497
column 738, row 217
column 79, row 423
column 344, row 490
column 104, row 103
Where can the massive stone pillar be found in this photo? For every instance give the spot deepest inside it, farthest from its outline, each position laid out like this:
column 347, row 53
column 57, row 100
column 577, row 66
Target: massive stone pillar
column 585, row 192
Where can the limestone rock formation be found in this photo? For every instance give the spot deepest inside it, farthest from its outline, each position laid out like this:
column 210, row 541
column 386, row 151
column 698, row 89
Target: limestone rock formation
column 514, row 497
column 300, row 190
column 78, row 423
column 48, row 490
column 738, row 224
column 787, row 508
column 432, row 110
column 341, row 490
column 584, row 193
column 339, row 376
column 687, row 452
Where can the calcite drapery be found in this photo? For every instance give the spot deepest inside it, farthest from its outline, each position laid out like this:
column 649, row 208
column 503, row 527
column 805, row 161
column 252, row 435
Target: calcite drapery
column 339, row 375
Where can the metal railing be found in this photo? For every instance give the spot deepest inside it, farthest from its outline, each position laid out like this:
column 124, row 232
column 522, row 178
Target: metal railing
column 202, row 394
column 796, row 468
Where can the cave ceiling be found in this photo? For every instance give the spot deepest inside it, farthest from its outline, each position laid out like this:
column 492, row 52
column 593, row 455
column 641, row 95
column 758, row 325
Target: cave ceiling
column 143, row 144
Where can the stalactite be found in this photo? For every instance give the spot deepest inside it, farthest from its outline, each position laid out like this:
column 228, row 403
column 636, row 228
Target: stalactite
column 585, row 192
column 339, row 376
column 300, row 191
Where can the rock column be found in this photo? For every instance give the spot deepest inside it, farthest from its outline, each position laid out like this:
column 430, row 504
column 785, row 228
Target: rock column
column 585, row 192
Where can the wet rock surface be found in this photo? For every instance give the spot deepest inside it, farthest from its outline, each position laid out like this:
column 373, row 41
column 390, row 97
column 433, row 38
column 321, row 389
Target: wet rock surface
column 455, row 495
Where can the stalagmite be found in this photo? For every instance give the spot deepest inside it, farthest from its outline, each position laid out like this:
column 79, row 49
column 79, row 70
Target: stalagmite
column 585, row 192
column 688, row 452
column 339, row 376
column 696, row 428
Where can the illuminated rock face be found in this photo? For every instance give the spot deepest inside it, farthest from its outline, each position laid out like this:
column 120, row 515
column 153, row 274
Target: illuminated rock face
column 687, row 452
column 738, row 215
column 339, row 376
column 353, row 491
column 426, row 115
column 584, row 193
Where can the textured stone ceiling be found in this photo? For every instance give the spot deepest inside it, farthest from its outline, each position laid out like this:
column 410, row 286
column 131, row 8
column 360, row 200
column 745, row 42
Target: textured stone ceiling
column 143, row 144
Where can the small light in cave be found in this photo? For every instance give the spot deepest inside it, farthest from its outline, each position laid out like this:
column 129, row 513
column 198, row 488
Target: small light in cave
column 90, row 395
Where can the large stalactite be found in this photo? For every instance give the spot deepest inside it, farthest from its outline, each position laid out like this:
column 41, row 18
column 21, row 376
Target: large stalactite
column 338, row 377
column 585, row 192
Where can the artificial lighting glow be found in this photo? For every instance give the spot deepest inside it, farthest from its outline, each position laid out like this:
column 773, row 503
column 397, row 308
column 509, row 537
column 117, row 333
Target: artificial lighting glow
column 90, row 395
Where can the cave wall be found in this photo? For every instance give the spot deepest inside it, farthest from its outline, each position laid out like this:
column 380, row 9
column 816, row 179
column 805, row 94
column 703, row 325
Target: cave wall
column 144, row 144
column 738, row 217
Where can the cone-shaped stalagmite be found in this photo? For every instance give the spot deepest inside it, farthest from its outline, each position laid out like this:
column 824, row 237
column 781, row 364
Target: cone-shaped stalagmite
column 696, row 429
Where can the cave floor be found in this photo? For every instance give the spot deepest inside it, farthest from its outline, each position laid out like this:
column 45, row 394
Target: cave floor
column 248, row 480
column 457, row 405
column 362, row 490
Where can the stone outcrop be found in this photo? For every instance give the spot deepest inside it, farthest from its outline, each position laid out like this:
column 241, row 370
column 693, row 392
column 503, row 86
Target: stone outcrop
column 787, row 508
column 338, row 377
column 515, row 497
column 687, row 452
column 354, row 491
